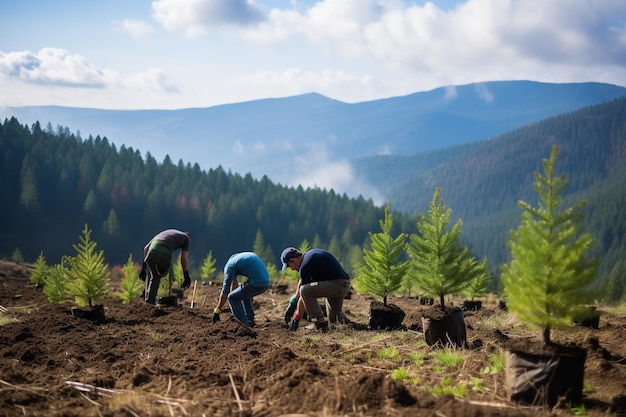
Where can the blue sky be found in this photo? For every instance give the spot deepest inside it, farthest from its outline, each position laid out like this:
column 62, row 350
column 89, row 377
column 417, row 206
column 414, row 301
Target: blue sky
column 170, row 54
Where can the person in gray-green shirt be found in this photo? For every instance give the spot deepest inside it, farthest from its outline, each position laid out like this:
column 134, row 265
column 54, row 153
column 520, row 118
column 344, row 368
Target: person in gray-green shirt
column 157, row 260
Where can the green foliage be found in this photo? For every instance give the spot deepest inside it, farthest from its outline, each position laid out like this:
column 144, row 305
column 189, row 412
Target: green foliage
column 389, row 353
column 177, row 271
column 479, row 282
column 17, row 256
column 60, row 179
column 56, row 284
column 496, row 364
column 263, row 251
column 131, row 285
column 549, row 276
column 382, row 272
column 88, row 274
column 208, row 266
column 439, row 265
column 447, row 359
column 40, row 271
column 446, row 388
column 484, row 180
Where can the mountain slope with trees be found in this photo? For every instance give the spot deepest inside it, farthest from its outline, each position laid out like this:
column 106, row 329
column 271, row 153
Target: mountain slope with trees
column 54, row 182
column 483, row 181
column 251, row 137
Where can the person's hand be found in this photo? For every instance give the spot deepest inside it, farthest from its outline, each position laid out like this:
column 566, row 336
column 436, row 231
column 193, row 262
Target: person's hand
column 187, row 280
column 142, row 274
column 216, row 315
column 293, row 326
column 291, row 309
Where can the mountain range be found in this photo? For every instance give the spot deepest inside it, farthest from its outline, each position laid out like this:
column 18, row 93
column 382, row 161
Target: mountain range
column 312, row 140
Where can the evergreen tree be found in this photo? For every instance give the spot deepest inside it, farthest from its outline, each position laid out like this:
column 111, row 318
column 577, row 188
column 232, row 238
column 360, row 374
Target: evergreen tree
column 439, row 265
column 479, row 283
column 17, row 256
column 56, row 284
column 131, row 285
column 382, row 272
column 208, row 266
column 40, row 271
column 87, row 272
column 549, row 275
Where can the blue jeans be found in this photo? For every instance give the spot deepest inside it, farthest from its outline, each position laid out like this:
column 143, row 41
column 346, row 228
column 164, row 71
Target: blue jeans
column 240, row 301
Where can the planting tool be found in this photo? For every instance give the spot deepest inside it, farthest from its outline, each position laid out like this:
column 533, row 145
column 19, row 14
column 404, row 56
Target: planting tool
column 193, row 295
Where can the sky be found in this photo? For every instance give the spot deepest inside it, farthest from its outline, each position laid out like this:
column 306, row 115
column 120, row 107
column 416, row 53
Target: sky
column 173, row 54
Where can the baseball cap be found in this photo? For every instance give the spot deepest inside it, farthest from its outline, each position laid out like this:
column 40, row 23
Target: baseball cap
column 288, row 253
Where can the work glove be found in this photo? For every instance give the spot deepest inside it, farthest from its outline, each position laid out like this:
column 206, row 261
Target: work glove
column 142, row 274
column 186, row 281
column 216, row 315
column 293, row 325
column 291, row 309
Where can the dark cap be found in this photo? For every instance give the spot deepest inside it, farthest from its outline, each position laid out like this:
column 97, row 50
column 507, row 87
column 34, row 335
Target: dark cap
column 289, row 253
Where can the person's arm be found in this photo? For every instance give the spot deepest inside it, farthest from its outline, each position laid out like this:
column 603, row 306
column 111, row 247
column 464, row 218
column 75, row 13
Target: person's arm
column 183, row 260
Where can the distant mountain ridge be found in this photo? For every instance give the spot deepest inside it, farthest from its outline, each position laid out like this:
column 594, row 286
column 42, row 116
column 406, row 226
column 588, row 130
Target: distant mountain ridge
column 482, row 182
column 262, row 137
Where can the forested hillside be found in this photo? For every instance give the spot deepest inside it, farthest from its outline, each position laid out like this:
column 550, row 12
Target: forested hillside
column 52, row 183
column 483, row 181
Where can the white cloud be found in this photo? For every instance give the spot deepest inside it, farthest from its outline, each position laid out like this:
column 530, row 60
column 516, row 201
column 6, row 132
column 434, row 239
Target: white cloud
column 314, row 168
column 196, row 17
column 484, row 93
column 137, row 29
column 54, row 66
column 152, row 80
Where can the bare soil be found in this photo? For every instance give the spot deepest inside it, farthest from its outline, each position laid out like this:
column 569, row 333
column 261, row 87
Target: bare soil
column 172, row 361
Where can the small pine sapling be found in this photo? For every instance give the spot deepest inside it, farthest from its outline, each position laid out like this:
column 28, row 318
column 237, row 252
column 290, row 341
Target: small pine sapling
column 549, row 276
column 479, row 283
column 40, row 271
column 439, row 265
column 87, row 272
column 131, row 285
column 382, row 272
column 208, row 266
column 17, row 256
column 56, row 284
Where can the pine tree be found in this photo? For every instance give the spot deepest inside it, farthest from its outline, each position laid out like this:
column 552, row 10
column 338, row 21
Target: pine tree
column 87, row 272
column 549, row 275
column 40, row 271
column 208, row 266
column 131, row 285
column 17, row 256
column 439, row 265
column 56, row 284
column 479, row 283
column 382, row 273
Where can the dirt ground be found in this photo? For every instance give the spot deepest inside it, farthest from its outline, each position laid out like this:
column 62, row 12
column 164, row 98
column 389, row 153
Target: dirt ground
column 172, row 361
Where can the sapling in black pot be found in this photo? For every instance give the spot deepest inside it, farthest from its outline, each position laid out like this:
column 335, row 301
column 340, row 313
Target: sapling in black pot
column 441, row 267
column 546, row 284
column 382, row 273
column 88, row 276
column 477, row 288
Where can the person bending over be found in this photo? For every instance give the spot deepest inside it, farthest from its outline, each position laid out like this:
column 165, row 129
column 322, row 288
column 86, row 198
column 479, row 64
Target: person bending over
column 256, row 281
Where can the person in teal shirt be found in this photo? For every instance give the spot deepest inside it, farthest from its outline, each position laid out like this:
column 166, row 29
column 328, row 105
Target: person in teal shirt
column 239, row 296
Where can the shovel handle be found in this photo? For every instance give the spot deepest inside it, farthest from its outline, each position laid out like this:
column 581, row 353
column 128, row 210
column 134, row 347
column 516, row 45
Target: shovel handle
column 193, row 295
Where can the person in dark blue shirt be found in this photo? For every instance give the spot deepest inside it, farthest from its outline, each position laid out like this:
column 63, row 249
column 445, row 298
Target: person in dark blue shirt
column 321, row 276
column 256, row 281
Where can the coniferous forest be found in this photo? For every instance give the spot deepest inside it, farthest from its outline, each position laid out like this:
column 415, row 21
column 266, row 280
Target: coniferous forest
column 53, row 182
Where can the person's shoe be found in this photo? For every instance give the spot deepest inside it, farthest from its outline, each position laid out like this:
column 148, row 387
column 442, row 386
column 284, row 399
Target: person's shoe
column 251, row 323
column 322, row 327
